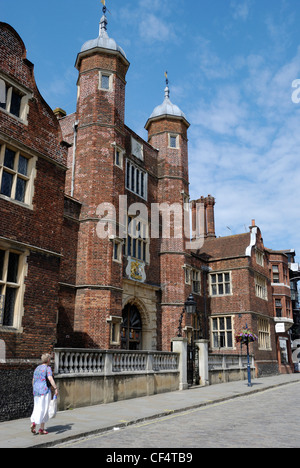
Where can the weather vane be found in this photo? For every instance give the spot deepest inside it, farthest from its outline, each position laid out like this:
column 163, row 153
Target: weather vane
column 104, row 6
column 166, row 75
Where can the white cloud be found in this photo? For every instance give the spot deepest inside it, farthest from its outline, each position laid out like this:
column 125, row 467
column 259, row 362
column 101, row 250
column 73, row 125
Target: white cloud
column 244, row 145
column 152, row 28
column 240, row 9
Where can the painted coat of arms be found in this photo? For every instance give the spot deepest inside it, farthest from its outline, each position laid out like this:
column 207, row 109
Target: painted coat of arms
column 136, row 270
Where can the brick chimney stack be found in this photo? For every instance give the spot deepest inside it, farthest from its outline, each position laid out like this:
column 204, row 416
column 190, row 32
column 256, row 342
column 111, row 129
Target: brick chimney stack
column 210, row 216
column 203, row 217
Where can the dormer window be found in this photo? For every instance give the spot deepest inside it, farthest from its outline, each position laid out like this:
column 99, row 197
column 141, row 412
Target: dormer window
column 14, row 100
column 16, row 175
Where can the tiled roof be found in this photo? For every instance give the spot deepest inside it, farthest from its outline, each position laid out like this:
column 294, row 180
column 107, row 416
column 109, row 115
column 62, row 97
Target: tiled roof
column 224, row 247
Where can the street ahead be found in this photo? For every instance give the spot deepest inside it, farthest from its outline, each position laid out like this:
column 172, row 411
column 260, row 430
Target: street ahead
column 266, row 419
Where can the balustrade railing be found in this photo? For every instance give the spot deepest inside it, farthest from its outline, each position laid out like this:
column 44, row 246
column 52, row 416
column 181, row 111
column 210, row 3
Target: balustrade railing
column 228, row 361
column 107, row 362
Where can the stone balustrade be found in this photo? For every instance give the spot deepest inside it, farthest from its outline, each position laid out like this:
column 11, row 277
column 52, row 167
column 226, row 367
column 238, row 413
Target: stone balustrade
column 71, row 362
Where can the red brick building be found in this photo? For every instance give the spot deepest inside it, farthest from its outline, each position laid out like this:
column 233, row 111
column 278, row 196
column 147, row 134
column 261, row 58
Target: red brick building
column 95, row 241
column 109, row 304
column 280, row 262
column 32, row 178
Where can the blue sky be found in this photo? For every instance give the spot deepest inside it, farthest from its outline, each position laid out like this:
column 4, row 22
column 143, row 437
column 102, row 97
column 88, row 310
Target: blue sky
column 231, row 66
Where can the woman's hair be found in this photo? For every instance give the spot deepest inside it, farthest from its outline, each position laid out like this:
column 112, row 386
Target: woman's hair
column 45, row 358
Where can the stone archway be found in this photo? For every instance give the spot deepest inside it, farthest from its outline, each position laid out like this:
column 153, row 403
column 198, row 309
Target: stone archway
column 131, row 330
column 145, row 298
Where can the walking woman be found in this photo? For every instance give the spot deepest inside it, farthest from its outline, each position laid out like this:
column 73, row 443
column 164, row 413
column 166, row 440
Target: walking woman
column 42, row 394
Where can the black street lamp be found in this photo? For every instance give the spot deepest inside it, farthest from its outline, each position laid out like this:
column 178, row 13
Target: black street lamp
column 190, row 309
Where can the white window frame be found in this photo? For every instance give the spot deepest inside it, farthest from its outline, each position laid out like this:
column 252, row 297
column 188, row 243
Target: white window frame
column 117, row 249
column 18, row 286
column 29, row 178
column 259, row 257
column 216, row 286
column 261, row 289
column 264, row 334
column 118, row 149
column 275, row 274
column 11, row 86
column 110, row 80
column 187, row 274
column 136, row 180
column 176, row 136
column 196, row 281
column 222, row 333
column 137, row 239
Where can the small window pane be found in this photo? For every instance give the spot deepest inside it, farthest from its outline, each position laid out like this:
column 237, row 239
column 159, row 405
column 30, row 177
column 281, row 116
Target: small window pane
column 215, row 340
column 134, row 248
column 9, row 307
column 2, row 254
column 117, row 158
column 23, row 165
column 228, row 323
column 9, row 158
column 137, row 181
column 142, row 184
column 3, row 94
column 20, row 190
column 13, row 264
column 128, row 175
column 6, row 186
column 173, row 141
column 15, row 105
column 105, row 82
column 115, row 251
column 132, row 177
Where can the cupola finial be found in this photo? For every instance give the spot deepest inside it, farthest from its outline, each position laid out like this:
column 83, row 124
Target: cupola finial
column 167, row 89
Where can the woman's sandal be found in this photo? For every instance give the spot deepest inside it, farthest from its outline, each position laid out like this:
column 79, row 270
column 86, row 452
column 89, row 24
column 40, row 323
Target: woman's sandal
column 42, row 431
column 32, row 428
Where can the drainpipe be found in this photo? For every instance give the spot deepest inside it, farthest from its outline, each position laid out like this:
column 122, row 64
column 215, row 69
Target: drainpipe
column 75, row 128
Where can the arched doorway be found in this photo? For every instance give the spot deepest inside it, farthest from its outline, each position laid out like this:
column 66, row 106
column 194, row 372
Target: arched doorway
column 131, row 331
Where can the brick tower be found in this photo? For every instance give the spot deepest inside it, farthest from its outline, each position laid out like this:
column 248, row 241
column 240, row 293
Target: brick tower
column 102, row 67
column 167, row 131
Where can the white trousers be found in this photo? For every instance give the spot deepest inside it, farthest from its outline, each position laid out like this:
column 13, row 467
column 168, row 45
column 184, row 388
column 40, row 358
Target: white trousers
column 40, row 410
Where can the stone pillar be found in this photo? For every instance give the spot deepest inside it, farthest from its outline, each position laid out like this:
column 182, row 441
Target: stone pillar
column 180, row 346
column 203, row 361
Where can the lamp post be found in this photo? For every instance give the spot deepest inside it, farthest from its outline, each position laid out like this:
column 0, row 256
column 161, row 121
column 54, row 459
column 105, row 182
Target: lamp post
column 248, row 366
column 246, row 337
column 189, row 309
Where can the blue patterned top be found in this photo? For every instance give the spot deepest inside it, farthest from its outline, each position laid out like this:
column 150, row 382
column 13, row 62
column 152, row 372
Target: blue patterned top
column 39, row 380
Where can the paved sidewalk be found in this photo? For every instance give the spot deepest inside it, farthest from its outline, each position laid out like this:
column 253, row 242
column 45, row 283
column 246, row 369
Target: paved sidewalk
column 73, row 424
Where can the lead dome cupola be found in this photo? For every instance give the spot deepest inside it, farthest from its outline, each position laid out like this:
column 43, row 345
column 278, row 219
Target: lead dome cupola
column 167, row 108
column 103, row 41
